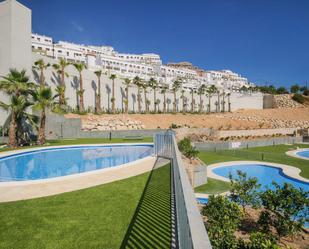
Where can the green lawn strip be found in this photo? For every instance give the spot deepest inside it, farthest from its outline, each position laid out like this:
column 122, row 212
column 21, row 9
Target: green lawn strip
column 213, row 186
column 85, row 141
column 96, row 217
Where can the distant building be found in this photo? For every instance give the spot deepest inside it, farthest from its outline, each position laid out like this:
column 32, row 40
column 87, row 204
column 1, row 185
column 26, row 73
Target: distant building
column 130, row 65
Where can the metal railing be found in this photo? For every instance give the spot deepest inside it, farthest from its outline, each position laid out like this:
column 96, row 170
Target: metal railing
column 190, row 229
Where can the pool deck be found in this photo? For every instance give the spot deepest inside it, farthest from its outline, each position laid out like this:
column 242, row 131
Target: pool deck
column 23, row 190
column 293, row 153
column 290, row 171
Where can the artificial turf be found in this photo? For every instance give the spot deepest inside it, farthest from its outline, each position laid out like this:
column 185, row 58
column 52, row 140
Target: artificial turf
column 97, row 217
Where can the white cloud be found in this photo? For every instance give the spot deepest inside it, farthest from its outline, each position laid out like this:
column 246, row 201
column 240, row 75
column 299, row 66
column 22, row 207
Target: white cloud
column 77, row 26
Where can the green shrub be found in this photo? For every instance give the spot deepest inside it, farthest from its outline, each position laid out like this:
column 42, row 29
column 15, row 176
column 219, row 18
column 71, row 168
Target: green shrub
column 298, row 98
column 260, row 240
column 184, row 145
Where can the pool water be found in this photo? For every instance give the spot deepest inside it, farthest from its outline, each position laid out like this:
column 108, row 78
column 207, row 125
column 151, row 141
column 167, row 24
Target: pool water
column 49, row 163
column 304, row 153
column 265, row 174
column 202, row 200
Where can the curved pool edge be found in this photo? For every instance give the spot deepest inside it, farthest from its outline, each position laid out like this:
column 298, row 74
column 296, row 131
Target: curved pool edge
column 287, row 170
column 30, row 189
column 293, row 153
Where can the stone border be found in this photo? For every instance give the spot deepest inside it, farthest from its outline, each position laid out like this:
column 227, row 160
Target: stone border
column 21, row 190
column 293, row 153
column 287, row 170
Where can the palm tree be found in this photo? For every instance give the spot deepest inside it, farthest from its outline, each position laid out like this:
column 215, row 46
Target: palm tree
column 229, row 101
column 16, row 83
column 163, row 91
column 127, row 83
column 98, row 94
column 145, row 86
column 60, row 68
column 183, row 100
column 80, row 67
column 223, row 101
column 201, row 92
column 192, row 91
column 41, row 66
column 17, row 108
column 218, row 101
column 113, row 100
column 43, row 99
column 138, row 82
column 154, row 84
column 175, row 88
column 210, row 91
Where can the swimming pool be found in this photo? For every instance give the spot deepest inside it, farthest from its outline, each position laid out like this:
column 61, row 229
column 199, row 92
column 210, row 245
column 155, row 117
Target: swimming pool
column 304, row 153
column 64, row 161
column 266, row 175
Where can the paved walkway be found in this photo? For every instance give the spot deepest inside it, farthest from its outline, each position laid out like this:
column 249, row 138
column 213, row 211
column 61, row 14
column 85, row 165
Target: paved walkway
column 22, row 190
column 293, row 153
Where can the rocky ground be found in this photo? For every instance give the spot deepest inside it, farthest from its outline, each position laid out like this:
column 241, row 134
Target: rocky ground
column 240, row 120
column 286, row 101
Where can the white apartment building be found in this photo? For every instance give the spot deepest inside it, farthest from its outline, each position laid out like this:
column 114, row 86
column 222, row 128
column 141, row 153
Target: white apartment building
column 130, row 65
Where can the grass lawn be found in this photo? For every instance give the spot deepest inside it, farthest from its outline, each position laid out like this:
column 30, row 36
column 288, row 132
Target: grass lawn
column 87, row 141
column 274, row 154
column 97, row 217
column 213, row 186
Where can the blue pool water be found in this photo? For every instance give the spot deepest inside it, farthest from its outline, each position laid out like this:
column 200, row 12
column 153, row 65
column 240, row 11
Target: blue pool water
column 265, row 174
column 304, row 153
column 202, row 200
column 49, row 163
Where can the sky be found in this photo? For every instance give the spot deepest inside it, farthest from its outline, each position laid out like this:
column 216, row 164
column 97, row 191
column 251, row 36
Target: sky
column 266, row 41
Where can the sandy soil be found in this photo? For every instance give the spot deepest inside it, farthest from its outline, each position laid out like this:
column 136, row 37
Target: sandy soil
column 216, row 121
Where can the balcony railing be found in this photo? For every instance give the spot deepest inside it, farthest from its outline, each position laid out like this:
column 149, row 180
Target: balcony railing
column 190, row 229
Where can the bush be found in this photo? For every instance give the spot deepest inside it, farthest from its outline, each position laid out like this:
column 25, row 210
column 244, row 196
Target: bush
column 298, row 98
column 223, row 218
column 184, row 145
column 286, row 209
column 262, row 241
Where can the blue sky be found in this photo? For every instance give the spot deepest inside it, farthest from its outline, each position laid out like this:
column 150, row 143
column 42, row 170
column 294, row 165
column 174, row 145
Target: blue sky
column 264, row 40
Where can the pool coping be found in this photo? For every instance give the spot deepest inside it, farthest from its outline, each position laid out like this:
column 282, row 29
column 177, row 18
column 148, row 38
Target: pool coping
column 293, row 153
column 287, row 170
column 29, row 189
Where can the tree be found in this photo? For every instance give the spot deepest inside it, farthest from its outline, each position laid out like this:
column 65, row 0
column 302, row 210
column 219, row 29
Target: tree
column 80, row 67
column 98, row 94
column 17, row 85
column 201, row 91
column 229, row 101
column 43, row 99
column 145, row 86
column 113, row 100
column 137, row 81
column 41, row 66
column 127, row 83
column 244, row 190
column 286, row 209
column 183, row 100
column 218, row 100
column 154, row 85
column 282, row 90
column 223, row 218
column 175, row 87
column 60, row 68
column 223, row 101
column 210, row 91
column 191, row 153
column 295, row 88
column 17, row 107
column 192, row 91
column 163, row 91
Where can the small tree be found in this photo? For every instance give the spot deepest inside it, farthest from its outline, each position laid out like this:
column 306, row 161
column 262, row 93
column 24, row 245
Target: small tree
column 286, row 208
column 295, row 88
column 184, row 144
column 223, row 218
column 191, row 153
column 244, row 190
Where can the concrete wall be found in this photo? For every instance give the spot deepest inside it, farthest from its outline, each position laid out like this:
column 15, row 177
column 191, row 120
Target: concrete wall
column 268, row 101
column 15, row 41
column 213, row 146
column 59, row 127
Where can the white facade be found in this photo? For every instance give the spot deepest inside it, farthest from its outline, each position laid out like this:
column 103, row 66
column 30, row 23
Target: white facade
column 131, row 65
